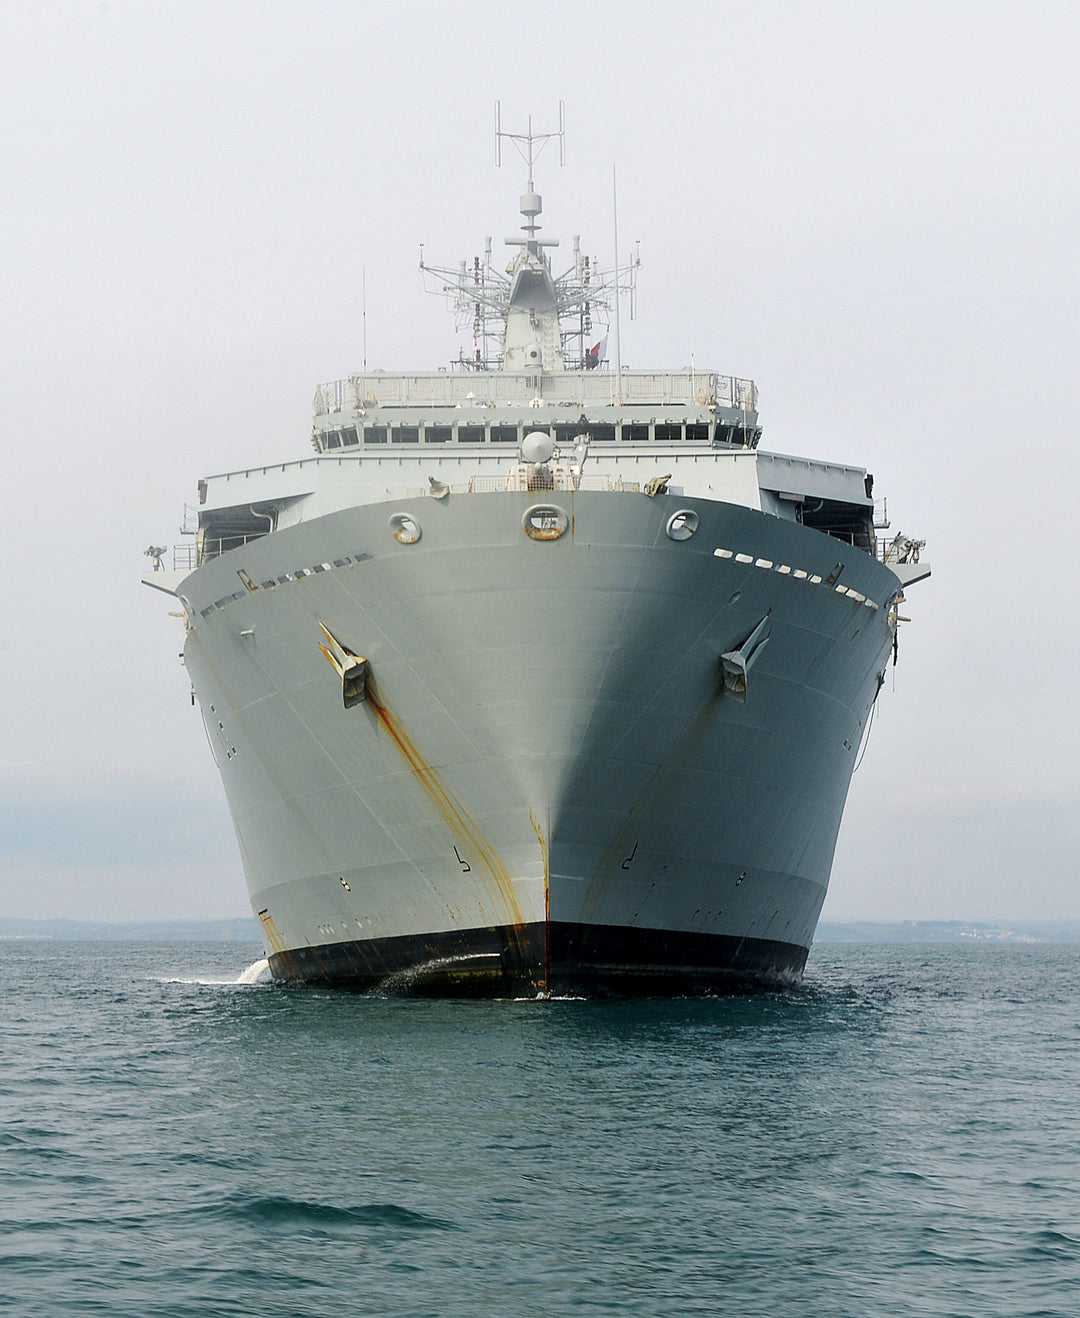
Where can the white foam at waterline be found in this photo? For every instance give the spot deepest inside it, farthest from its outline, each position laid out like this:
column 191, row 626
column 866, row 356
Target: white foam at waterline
column 194, row 979
column 257, row 973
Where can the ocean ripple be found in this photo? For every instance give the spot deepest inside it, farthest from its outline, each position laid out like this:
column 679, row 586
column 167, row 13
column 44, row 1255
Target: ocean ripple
column 280, row 1211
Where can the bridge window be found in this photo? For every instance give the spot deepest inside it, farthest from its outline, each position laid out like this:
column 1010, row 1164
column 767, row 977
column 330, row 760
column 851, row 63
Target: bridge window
column 437, row 434
column 666, row 433
column 504, row 434
column 635, row 434
column 374, row 434
column 697, row 432
column 405, row 435
column 470, row 434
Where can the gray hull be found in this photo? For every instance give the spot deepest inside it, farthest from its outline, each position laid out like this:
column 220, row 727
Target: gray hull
column 548, row 787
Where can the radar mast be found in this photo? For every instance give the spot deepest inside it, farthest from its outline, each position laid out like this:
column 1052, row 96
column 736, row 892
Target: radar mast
column 524, row 318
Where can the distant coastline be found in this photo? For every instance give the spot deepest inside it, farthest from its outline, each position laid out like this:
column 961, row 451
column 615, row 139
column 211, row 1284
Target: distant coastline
column 240, row 930
column 949, row 931
column 246, row 930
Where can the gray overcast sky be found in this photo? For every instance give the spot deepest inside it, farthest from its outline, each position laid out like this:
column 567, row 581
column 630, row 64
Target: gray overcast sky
column 869, row 208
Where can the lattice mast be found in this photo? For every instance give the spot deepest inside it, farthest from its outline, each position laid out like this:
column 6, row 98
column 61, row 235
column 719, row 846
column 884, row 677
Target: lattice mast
column 524, row 318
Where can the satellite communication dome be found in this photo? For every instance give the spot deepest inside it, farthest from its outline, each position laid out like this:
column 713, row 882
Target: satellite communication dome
column 537, row 446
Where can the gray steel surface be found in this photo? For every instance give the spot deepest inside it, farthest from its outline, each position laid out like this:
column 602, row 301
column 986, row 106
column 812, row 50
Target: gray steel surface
column 547, row 735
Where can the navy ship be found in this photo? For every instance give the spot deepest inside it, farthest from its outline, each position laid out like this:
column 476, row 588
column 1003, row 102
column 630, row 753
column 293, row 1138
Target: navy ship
column 540, row 676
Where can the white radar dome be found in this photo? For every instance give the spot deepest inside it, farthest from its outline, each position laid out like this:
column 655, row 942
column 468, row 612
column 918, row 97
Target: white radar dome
column 537, row 446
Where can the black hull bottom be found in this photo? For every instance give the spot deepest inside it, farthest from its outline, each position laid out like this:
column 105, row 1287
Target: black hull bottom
column 561, row 960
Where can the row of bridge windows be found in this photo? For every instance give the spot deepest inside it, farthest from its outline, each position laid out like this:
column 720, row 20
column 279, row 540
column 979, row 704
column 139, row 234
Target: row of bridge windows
column 636, row 432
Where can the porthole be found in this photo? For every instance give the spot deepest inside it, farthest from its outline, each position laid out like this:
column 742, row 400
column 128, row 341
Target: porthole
column 681, row 525
column 405, row 529
column 545, row 521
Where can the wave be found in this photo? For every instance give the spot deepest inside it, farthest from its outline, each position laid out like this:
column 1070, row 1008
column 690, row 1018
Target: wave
column 281, row 1210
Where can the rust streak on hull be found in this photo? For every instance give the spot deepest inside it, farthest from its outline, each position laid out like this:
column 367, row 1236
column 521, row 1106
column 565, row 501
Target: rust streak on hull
column 547, row 898
column 467, row 832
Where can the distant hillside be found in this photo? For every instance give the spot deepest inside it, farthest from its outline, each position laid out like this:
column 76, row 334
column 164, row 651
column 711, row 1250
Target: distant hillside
column 950, row 931
column 855, row 931
column 142, row 931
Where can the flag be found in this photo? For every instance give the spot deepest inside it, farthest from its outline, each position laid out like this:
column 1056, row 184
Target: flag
column 595, row 355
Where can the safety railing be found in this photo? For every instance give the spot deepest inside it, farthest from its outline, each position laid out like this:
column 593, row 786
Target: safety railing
column 492, row 388
column 194, row 553
column 521, row 481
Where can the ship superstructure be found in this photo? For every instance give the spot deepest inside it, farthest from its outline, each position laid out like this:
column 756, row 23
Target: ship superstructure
column 539, row 675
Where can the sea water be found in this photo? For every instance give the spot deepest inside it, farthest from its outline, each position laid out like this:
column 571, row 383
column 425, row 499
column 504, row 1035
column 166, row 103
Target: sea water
column 899, row 1136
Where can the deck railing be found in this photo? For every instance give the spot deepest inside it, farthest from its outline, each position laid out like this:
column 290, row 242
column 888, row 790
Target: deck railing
column 194, row 553
column 492, row 388
column 534, row 482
